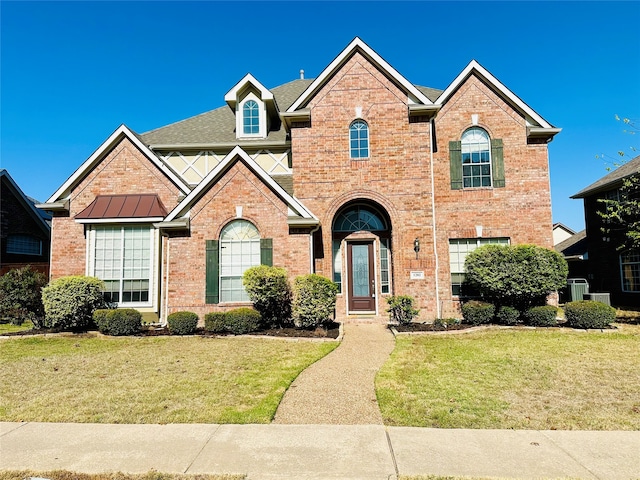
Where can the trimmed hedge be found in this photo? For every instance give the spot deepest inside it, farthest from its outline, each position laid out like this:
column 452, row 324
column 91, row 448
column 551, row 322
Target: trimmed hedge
column 544, row 316
column 477, row 313
column 269, row 291
column 182, row 323
column 69, row 302
column 314, row 300
column 589, row 314
column 21, row 296
column 242, row 320
column 507, row 315
column 401, row 309
column 237, row 321
column 118, row 322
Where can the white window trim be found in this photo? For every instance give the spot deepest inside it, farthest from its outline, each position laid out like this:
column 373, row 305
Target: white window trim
column 622, row 276
column 262, row 131
column 490, row 162
column 478, row 244
column 368, row 139
column 153, row 265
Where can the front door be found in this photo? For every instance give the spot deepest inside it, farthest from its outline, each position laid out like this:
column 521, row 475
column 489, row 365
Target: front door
column 362, row 296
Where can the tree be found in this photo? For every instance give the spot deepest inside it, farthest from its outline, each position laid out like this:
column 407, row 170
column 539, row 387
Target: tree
column 621, row 212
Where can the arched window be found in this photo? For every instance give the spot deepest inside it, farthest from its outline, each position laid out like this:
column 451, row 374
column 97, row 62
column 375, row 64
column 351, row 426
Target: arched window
column 476, row 158
column 357, row 218
column 359, row 139
column 239, row 250
column 251, row 118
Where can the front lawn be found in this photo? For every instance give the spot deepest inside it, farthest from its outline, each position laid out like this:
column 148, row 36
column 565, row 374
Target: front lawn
column 10, row 327
column 91, row 378
column 66, row 475
column 521, row 379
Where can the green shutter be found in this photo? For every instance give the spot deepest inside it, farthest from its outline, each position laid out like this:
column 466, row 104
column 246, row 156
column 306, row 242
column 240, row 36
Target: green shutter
column 455, row 159
column 266, row 251
column 212, row 293
column 497, row 163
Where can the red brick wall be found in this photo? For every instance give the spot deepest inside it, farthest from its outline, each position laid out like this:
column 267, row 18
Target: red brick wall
column 397, row 176
column 216, row 208
column 124, row 170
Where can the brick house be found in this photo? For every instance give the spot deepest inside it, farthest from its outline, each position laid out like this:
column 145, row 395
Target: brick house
column 608, row 269
column 25, row 233
column 358, row 175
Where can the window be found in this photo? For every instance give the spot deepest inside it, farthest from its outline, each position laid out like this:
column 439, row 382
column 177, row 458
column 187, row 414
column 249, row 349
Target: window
column 239, row 250
column 122, row 259
column 630, row 271
column 458, row 251
column 24, row 245
column 251, row 118
column 476, row 158
column 337, row 265
column 359, row 139
column 384, row 265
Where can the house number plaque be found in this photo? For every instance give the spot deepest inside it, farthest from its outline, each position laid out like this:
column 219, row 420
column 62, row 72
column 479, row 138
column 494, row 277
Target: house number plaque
column 417, row 275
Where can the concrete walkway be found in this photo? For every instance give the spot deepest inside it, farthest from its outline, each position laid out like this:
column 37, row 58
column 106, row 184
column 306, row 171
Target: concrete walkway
column 287, row 452
column 339, row 388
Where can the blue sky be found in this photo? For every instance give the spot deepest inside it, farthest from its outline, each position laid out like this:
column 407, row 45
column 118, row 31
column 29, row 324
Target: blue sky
column 72, row 72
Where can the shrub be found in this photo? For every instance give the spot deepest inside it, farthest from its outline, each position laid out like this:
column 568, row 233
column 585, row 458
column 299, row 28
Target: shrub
column 314, row 300
column 118, row 322
column 544, row 316
column 182, row 323
column 401, row 309
column 444, row 323
column 268, row 288
column 477, row 313
column 21, row 296
column 69, row 302
column 520, row 276
column 242, row 320
column 507, row 315
column 589, row 314
column 215, row 322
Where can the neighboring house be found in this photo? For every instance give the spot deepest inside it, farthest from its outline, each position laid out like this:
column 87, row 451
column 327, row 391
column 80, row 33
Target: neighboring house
column 358, row 175
column 609, row 269
column 25, row 232
column 561, row 233
column 575, row 252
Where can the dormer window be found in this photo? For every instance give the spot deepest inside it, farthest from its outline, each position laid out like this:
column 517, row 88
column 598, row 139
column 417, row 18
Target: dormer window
column 250, row 118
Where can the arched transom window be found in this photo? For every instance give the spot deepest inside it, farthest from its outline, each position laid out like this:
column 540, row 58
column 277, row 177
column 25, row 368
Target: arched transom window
column 359, row 139
column 476, row 158
column 251, row 118
column 239, row 250
column 357, row 218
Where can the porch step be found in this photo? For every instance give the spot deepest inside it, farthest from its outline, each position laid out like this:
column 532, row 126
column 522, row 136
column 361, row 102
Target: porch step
column 366, row 319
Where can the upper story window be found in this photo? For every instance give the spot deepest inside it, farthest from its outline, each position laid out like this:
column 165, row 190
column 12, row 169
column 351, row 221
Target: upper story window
column 251, row 118
column 476, row 158
column 24, row 245
column 359, row 139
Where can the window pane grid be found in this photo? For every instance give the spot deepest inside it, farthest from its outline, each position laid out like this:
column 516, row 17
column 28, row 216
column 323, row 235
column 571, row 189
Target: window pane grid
column 251, row 118
column 24, row 245
column 458, row 250
column 359, row 139
column 239, row 251
column 476, row 158
column 384, row 265
column 630, row 271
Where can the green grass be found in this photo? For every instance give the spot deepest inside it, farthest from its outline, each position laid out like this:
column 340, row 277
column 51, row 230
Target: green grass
column 90, row 378
column 521, row 379
column 9, row 327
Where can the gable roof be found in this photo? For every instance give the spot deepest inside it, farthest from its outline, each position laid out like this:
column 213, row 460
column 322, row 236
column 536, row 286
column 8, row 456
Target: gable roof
column 298, row 213
column 216, row 128
column 574, row 246
column 357, row 45
column 612, row 180
column 537, row 124
column 40, row 218
column 121, row 132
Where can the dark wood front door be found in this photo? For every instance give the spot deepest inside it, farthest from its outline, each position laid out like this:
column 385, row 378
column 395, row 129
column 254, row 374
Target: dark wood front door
column 361, row 278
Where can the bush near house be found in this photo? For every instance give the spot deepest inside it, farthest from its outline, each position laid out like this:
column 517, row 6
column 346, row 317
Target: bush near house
column 237, row 321
column 69, row 302
column 269, row 290
column 314, row 300
column 543, row 316
column 118, row 322
column 21, row 296
column 589, row 314
column 507, row 315
column 401, row 309
column 182, row 323
column 519, row 276
column 476, row 312
column 215, row 322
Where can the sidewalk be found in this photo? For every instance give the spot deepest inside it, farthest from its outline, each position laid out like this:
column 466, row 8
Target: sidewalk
column 287, row 452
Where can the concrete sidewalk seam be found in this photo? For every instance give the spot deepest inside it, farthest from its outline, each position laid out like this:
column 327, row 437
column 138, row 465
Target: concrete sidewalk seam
column 393, row 454
column 202, row 449
column 18, row 427
column 570, row 455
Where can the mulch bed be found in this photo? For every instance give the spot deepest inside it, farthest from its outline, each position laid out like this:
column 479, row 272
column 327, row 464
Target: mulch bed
column 332, row 331
column 429, row 327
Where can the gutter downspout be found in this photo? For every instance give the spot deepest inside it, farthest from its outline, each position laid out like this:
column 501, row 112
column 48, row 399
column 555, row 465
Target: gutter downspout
column 433, row 219
column 166, row 292
column 311, row 259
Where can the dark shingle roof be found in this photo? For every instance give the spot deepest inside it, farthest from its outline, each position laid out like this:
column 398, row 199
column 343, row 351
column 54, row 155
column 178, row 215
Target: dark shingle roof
column 431, row 93
column 218, row 126
column 574, row 245
column 612, row 180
